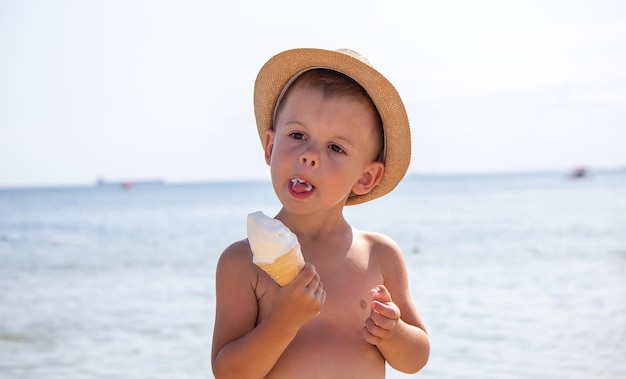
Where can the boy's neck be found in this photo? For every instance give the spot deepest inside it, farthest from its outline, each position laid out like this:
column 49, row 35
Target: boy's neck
column 314, row 227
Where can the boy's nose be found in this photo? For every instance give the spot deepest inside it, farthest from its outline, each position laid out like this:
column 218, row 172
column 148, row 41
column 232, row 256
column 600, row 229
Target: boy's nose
column 308, row 161
column 309, row 158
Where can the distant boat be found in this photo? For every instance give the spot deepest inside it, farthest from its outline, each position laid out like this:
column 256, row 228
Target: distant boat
column 579, row 173
column 128, row 184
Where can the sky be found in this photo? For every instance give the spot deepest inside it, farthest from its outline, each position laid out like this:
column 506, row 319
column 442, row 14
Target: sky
column 131, row 90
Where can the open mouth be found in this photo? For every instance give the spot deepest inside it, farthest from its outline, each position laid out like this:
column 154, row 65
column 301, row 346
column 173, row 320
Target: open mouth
column 300, row 185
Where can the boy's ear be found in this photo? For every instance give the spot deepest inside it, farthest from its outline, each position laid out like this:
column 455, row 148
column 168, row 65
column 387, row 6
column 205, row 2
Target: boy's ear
column 370, row 178
column 269, row 145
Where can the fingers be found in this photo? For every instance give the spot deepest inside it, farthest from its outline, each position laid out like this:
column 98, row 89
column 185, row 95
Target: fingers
column 387, row 310
column 315, row 281
column 320, row 294
column 304, row 278
column 384, row 316
column 317, row 287
column 374, row 334
column 309, row 279
column 382, row 303
column 387, row 319
column 308, row 287
column 381, row 293
column 378, row 328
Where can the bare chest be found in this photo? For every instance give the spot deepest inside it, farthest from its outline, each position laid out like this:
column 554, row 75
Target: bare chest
column 334, row 336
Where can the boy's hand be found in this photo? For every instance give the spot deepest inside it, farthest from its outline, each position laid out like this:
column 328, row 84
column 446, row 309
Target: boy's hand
column 384, row 317
column 301, row 300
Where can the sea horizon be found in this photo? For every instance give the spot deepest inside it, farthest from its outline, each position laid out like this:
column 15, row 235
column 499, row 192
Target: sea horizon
column 102, row 181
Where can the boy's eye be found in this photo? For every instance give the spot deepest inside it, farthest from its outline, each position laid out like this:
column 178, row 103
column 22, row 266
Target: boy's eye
column 296, row 135
column 336, row 148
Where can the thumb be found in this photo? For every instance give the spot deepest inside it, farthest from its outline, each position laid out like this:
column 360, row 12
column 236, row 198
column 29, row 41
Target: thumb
column 380, row 293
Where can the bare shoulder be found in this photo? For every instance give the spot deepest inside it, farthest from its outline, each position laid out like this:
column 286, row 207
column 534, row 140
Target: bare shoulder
column 235, row 254
column 382, row 248
column 235, row 272
column 386, row 254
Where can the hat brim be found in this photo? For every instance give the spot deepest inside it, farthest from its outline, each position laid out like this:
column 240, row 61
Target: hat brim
column 281, row 68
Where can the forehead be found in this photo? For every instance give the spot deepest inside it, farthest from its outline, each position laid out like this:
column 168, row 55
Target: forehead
column 305, row 102
column 331, row 84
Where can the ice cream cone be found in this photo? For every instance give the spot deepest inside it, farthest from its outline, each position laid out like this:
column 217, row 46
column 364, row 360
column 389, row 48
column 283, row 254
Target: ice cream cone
column 285, row 267
column 275, row 248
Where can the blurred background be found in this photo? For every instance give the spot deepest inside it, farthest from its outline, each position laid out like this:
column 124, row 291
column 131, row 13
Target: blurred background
column 163, row 89
column 129, row 160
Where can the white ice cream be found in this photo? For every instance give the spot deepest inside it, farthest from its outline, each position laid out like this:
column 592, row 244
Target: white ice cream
column 269, row 238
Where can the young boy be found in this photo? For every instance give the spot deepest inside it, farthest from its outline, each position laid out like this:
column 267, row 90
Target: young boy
column 335, row 133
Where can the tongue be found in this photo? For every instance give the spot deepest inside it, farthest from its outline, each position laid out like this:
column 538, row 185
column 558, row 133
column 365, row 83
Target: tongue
column 301, row 187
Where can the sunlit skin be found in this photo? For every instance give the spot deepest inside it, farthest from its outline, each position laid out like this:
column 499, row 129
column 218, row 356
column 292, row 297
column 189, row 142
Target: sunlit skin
column 350, row 308
column 329, row 143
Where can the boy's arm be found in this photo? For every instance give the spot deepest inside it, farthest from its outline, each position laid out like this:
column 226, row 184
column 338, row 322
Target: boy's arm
column 241, row 349
column 405, row 346
column 394, row 325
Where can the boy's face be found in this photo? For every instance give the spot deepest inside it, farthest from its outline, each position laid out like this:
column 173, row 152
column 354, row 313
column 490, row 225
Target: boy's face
column 322, row 150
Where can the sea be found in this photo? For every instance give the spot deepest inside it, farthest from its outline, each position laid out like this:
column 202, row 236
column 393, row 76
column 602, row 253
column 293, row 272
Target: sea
column 519, row 275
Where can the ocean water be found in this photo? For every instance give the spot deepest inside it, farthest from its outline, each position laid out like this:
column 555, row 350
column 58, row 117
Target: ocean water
column 516, row 276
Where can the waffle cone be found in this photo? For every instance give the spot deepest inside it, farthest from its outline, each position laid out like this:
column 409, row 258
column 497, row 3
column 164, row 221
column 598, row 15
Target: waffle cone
column 285, row 267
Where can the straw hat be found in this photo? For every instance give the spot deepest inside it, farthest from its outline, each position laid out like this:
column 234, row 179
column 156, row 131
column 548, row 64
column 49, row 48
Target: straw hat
column 280, row 71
